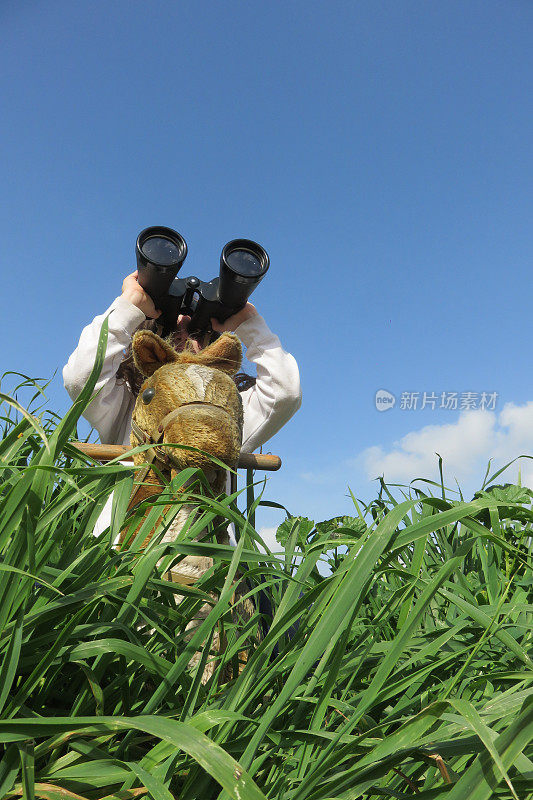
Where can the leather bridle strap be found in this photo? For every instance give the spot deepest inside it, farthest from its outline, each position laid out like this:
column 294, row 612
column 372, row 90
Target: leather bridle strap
column 151, row 455
column 141, row 479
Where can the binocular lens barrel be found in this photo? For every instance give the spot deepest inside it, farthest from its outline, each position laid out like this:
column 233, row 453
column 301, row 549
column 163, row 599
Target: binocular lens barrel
column 243, row 264
column 160, row 253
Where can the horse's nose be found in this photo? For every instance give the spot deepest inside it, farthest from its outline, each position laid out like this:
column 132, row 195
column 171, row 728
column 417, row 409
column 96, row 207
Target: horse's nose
column 203, row 414
column 206, row 427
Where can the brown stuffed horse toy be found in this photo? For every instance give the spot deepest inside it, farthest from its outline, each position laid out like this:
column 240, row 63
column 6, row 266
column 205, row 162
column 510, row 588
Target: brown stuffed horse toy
column 189, row 399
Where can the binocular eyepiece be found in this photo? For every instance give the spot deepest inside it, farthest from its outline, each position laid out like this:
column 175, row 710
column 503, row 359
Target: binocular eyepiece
column 160, row 254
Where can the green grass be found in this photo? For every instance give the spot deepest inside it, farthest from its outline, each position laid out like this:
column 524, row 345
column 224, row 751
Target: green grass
column 410, row 674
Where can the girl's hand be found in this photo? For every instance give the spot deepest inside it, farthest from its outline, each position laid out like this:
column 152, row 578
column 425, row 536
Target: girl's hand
column 135, row 294
column 233, row 322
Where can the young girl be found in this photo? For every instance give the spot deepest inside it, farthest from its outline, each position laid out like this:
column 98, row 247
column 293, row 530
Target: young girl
column 269, row 401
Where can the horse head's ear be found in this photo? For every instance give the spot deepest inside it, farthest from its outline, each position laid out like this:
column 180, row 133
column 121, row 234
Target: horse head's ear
column 225, row 354
column 150, row 352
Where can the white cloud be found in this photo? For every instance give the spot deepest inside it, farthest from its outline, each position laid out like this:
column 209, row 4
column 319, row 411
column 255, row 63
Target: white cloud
column 465, row 446
column 268, row 535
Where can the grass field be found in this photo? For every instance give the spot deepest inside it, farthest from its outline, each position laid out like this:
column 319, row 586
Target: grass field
column 398, row 662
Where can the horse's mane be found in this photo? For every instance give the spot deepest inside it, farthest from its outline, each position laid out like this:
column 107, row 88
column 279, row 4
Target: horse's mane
column 128, row 373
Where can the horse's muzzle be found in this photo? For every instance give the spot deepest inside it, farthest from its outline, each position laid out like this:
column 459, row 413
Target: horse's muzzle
column 204, row 426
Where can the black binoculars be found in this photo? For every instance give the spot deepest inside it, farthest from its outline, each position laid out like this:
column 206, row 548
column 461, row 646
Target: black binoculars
column 160, row 254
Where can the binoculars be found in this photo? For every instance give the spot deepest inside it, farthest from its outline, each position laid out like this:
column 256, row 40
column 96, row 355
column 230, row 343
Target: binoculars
column 160, row 253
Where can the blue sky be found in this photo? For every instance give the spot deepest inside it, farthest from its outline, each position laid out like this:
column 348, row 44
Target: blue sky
column 381, row 153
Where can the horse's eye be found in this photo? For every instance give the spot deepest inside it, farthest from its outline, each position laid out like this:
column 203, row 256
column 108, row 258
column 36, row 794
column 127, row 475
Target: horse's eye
column 148, row 395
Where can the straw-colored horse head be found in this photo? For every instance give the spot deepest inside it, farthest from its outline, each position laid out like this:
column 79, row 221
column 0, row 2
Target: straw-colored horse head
column 189, row 399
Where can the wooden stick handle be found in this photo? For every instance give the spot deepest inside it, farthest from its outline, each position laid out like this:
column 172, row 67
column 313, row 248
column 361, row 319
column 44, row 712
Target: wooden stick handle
column 265, row 461
column 105, row 452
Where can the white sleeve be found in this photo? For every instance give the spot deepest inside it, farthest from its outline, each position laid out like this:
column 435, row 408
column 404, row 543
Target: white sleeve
column 113, row 399
column 276, row 395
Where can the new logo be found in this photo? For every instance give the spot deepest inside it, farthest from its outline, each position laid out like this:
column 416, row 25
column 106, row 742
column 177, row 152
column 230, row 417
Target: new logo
column 384, row 400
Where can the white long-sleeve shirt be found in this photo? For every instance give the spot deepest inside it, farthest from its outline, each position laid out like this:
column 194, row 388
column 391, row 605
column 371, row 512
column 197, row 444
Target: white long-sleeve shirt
column 267, row 406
